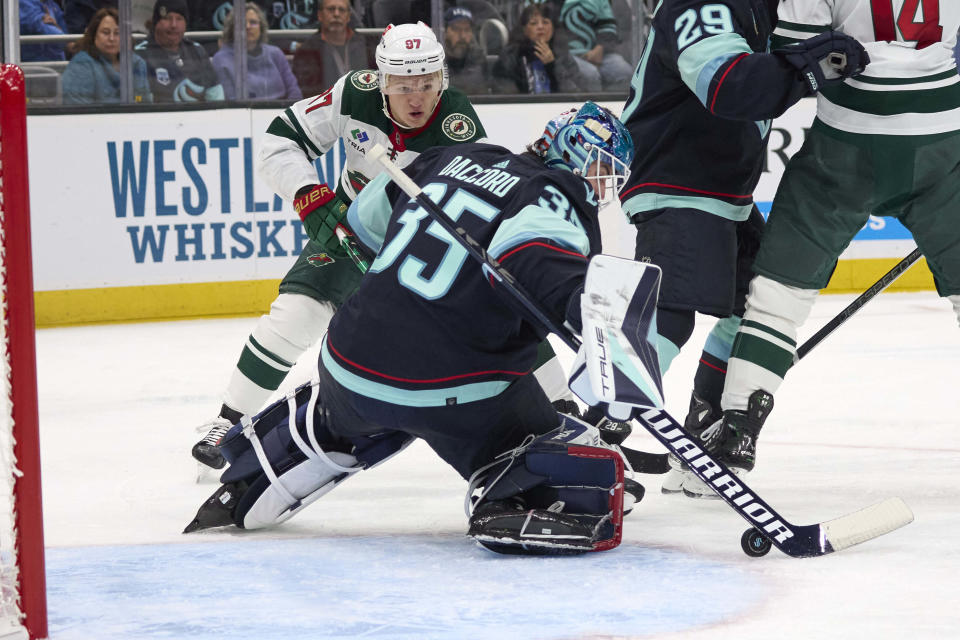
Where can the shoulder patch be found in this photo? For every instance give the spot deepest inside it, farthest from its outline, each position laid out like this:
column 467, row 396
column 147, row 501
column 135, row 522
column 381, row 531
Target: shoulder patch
column 364, row 80
column 458, row 127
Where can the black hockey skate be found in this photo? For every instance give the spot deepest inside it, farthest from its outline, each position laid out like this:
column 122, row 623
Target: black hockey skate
column 733, row 441
column 740, row 430
column 217, row 511
column 207, row 451
column 611, row 432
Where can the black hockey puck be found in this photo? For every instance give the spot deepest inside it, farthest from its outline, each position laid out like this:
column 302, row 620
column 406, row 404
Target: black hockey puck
column 754, row 543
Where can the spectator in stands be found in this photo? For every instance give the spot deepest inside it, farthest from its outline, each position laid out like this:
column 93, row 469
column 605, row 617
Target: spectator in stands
column 45, row 18
column 93, row 75
column 79, row 13
column 331, row 52
column 594, row 40
column 536, row 58
column 179, row 69
column 268, row 73
column 466, row 61
column 211, row 15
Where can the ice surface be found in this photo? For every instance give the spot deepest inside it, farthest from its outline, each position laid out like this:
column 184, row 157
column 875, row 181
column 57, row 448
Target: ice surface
column 871, row 412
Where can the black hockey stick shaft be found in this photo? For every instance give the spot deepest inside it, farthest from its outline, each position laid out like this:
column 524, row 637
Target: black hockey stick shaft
column 885, row 281
column 793, row 540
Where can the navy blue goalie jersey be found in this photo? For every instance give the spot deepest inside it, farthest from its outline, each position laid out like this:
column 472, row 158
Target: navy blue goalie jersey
column 428, row 326
column 700, row 106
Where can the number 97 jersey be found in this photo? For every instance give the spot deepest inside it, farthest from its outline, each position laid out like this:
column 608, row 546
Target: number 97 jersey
column 910, row 87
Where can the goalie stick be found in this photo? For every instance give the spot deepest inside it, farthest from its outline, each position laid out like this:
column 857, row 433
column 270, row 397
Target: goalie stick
column 798, row 541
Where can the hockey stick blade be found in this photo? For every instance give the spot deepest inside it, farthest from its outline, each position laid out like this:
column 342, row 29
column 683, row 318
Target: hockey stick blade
column 797, row 541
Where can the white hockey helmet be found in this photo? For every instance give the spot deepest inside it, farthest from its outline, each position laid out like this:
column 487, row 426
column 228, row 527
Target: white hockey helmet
column 410, row 50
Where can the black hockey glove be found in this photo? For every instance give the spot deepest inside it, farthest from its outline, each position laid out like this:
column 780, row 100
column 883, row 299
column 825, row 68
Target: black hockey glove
column 324, row 216
column 826, row 59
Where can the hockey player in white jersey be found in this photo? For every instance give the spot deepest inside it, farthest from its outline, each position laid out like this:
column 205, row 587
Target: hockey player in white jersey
column 884, row 143
column 405, row 106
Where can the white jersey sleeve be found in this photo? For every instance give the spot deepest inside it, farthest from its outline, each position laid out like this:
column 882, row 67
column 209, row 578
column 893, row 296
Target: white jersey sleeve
column 910, row 87
column 301, row 133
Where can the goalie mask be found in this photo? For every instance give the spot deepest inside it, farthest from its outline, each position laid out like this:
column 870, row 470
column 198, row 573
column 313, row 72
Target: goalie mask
column 410, row 60
column 578, row 138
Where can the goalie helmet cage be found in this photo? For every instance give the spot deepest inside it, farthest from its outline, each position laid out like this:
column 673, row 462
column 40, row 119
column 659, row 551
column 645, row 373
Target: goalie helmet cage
column 23, row 602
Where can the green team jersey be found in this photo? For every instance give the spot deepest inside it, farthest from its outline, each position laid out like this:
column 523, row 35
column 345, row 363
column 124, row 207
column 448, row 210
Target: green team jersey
column 910, row 87
column 353, row 110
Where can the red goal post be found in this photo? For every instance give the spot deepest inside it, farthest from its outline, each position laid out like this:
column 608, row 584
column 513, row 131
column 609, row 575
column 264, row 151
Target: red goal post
column 23, row 601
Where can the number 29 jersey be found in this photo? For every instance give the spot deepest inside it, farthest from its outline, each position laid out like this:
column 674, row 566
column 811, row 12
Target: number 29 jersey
column 428, row 325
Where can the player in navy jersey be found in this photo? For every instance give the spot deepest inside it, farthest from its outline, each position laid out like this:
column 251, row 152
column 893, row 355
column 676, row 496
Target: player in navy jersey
column 885, row 143
column 430, row 347
column 701, row 101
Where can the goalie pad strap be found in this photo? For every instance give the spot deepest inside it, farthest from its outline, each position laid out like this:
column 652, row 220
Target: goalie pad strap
column 287, row 458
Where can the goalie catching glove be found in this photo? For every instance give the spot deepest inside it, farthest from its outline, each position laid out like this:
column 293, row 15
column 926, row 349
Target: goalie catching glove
column 826, row 59
column 324, row 216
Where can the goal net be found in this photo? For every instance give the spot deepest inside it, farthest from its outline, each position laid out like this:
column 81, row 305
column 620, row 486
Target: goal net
column 23, row 609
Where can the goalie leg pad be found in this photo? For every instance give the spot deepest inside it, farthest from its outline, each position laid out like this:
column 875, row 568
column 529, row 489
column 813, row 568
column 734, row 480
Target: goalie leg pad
column 559, row 493
column 618, row 363
column 283, row 469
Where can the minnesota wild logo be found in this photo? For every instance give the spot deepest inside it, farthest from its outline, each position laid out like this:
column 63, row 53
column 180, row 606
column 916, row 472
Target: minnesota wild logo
column 458, row 127
column 364, row 80
column 320, row 259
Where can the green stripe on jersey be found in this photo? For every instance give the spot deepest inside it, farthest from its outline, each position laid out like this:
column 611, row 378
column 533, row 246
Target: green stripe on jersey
column 302, row 137
column 950, row 73
column 890, row 103
column 783, row 25
column 281, row 129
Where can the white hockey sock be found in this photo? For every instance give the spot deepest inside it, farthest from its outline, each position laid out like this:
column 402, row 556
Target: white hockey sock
column 294, row 324
column 766, row 343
